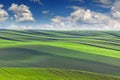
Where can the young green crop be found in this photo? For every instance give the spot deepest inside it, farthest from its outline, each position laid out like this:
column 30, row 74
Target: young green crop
column 50, row 74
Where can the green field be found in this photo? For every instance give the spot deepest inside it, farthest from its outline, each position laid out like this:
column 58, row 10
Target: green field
column 50, row 74
column 87, row 55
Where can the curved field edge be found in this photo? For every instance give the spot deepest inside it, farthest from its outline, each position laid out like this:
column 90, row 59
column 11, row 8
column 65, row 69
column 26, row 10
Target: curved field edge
column 73, row 54
column 50, row 74
column 55, row 57
column 85, row 48
column 72, row 46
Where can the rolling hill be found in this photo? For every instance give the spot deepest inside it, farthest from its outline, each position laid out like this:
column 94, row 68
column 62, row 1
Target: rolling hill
column 92, row 51
column 50, row 74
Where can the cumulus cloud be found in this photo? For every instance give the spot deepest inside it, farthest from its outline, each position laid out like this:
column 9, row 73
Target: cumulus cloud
column 86, row 19
column 79, row 19
column 22, row 13
column 115, row 10
column 116, row 14
column 3, row 14
column 82, row 18
column 87, row 16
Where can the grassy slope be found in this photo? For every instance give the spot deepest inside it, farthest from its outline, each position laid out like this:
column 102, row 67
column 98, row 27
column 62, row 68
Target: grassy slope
column 86, row 50
column 49, row 74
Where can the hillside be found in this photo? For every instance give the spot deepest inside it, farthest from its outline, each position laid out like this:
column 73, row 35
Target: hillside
column 93, row 51
column 50, row 74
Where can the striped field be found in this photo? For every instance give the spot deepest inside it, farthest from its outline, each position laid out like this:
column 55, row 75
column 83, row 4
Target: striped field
column 89, row 51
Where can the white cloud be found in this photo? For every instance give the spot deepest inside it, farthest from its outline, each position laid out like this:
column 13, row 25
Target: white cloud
column 79, row 19
column 115, row 10
column 86, row 19
column 1, row 6
column 3, row 14
column 17, row 27
column 22, row 13
column 45, row 12
column 104, row 3
column 116, row 14
column 57, row 19
column 37, row 1
column 87, row 16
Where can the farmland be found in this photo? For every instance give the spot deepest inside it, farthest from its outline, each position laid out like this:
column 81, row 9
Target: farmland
column 50, row 74
column 69, row 52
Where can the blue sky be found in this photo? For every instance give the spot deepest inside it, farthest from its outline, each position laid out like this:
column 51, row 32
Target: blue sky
column 60, row 14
